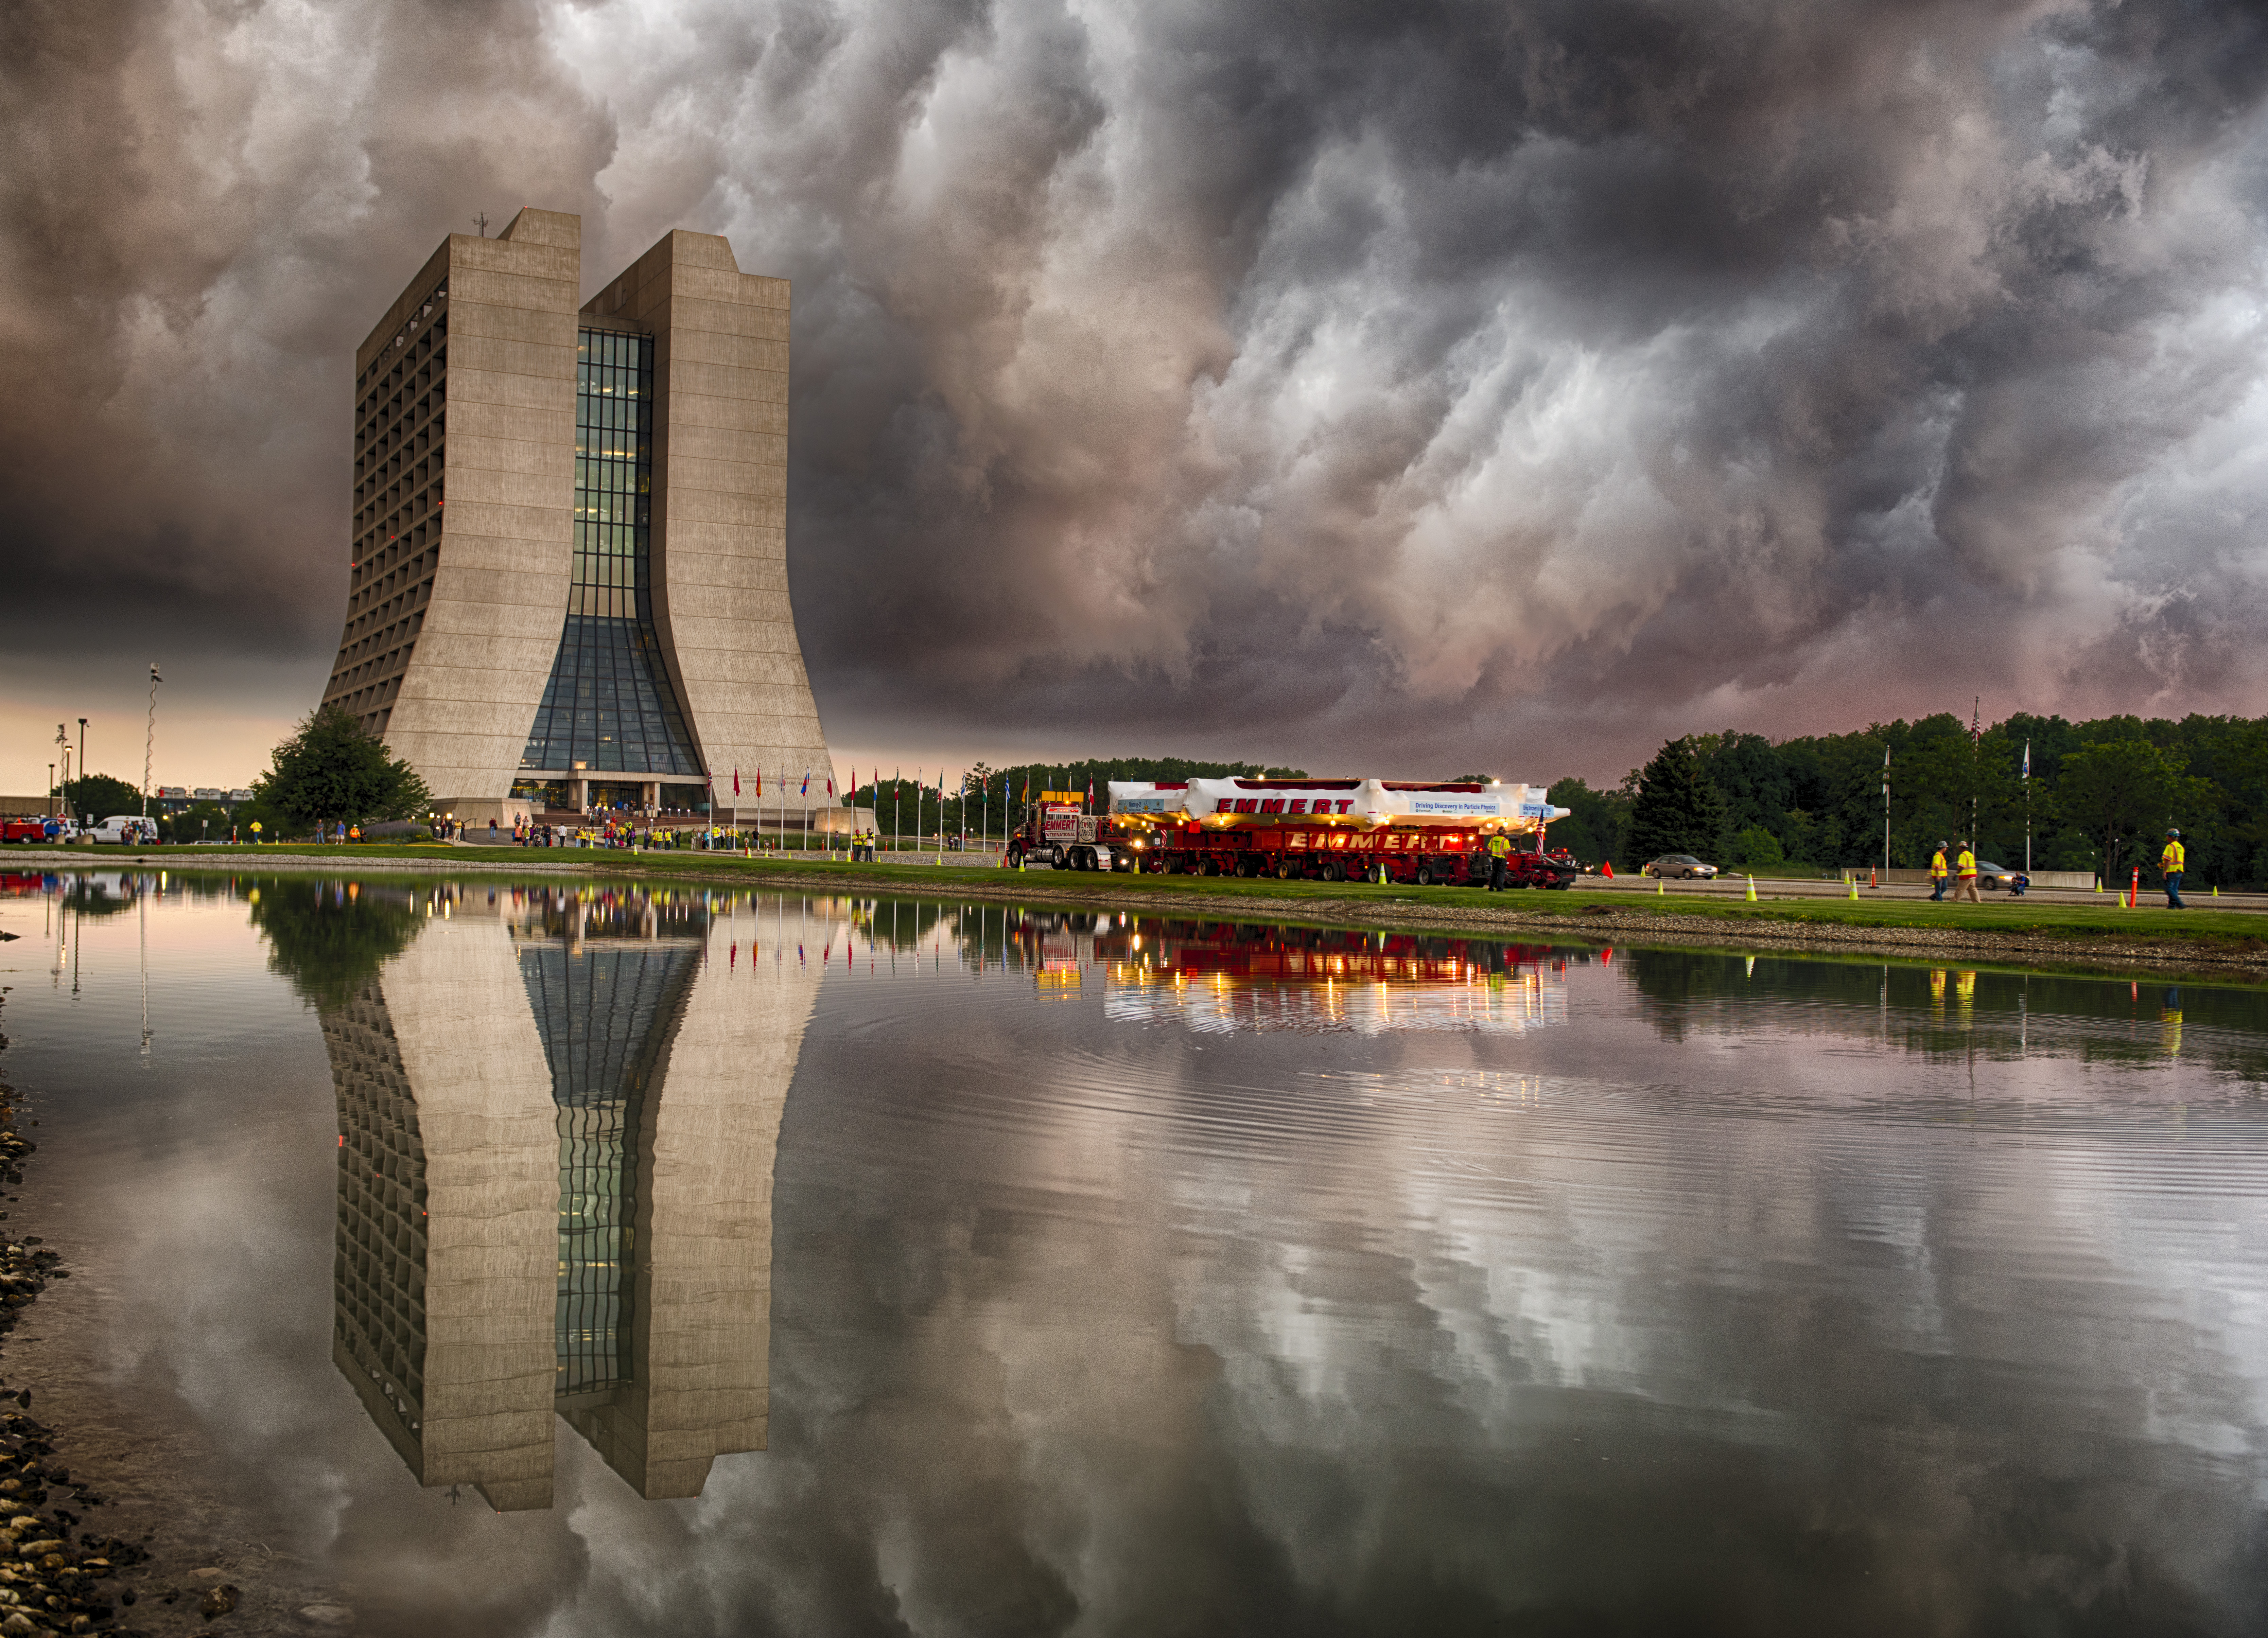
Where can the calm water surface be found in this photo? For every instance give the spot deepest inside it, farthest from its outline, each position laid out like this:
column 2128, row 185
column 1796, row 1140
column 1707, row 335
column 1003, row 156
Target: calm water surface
column 606, row 1264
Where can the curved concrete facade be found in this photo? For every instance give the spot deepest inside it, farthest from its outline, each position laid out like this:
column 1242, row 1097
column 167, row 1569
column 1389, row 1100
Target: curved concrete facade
column 466, row 512
column 466, row 1178
column 720, row 504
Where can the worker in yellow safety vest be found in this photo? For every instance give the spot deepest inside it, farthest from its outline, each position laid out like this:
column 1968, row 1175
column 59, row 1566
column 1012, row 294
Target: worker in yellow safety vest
column 1965, row 867
column 2171, row 861
column 1500, row 847
column 1937, row 875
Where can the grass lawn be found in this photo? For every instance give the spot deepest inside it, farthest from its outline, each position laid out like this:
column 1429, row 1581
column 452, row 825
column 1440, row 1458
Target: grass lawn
column 2237, row 930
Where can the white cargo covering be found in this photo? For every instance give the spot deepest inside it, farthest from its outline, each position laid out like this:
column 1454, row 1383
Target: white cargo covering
column 1367, row 801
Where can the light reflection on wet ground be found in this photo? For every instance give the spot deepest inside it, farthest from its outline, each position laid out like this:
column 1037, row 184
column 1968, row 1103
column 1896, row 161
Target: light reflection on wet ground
column 1142, row 1276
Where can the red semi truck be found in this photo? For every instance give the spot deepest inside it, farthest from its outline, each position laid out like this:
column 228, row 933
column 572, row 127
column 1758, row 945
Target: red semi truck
column 1060, row 835
column 1317, row 830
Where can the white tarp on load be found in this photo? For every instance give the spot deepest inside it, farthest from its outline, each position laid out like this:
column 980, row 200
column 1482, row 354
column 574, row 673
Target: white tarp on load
column 1521, row 806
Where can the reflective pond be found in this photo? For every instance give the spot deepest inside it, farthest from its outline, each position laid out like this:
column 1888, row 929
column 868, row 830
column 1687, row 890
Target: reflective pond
column 525, row 1258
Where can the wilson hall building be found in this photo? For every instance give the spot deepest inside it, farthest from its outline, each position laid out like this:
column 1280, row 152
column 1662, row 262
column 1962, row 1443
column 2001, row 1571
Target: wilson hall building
column 570, row 529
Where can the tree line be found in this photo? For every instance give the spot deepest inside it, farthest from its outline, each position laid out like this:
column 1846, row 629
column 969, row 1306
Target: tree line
column 2100, row 797
column 992, row 801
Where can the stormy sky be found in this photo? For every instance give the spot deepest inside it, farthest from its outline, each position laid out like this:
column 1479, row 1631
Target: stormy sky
column 1382, row 387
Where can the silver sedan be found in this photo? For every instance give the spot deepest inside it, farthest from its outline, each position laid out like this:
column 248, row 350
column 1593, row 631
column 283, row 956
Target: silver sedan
column 1685, row 866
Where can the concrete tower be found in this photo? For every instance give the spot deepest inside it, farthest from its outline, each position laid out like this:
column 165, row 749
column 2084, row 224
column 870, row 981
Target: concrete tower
column 603, row 616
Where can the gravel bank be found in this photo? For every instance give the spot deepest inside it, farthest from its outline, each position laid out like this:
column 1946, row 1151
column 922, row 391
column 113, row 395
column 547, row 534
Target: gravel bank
column 56, row 1576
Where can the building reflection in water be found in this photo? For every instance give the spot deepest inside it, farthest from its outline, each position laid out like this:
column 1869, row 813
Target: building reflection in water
column 558, row 1113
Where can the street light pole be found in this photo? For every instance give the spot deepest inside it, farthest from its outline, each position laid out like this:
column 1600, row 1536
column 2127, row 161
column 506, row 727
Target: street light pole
column 1886, row 814
column 2028, row 807
column 150, row 745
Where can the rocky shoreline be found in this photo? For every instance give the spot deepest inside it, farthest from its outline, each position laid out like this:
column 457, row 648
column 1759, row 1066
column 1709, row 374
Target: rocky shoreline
column 56, row 1576
column 1597, row 923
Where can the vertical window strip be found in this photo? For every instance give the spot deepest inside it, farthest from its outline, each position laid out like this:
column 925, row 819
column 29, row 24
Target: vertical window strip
column 612, row 707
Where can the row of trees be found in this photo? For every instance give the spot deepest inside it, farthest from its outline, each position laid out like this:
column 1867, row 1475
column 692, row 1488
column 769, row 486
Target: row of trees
column 991, row 801
column 2100, row 795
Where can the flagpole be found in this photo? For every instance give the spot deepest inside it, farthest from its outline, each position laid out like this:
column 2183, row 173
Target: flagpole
column 1886, row 816
column 2028, row 807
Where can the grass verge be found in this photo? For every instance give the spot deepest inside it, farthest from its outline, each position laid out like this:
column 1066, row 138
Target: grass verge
column 2236, row 933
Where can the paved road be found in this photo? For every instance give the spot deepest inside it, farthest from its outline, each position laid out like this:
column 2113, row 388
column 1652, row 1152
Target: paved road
column 1737, row 887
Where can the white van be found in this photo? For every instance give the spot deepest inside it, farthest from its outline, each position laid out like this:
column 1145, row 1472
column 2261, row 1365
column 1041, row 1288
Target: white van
column 125, row 828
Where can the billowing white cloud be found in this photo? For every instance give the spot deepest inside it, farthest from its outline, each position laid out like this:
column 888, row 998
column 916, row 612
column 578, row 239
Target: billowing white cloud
column 1424, row 384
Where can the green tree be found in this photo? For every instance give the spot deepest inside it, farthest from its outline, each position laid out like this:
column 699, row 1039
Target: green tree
column 200, row 821
column 330, row 771
column 1756, row 848
column 1749, row 771
column 1678, row 810
column 2125, row 790
column 100, row 794
column 1598, row 823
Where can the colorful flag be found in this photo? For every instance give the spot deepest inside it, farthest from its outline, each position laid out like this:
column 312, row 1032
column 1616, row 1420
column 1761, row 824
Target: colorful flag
column 760, row 784
column 736, row 779
column 806, row 783
column 2027, row 759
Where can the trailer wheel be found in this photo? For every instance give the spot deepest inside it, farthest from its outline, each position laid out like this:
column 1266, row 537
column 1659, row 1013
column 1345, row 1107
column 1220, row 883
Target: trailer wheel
column 1056, row 859
column 1424, row 875
column 1211, row 866
column 1283, row 869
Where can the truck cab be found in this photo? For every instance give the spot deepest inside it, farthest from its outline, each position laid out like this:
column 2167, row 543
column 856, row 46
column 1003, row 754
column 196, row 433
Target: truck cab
column 1059, row 834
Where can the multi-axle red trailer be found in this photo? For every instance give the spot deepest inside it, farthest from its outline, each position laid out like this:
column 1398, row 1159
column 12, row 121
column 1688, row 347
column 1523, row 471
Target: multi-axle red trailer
column 1321, row 830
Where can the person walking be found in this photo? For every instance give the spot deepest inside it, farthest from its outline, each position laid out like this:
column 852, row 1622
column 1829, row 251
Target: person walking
column 1965, row 868
column 2171, row 861
column 1500, row 847
column 1937, row 872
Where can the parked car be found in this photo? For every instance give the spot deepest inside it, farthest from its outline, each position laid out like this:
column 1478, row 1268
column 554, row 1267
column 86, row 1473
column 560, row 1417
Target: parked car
column 1685, row 866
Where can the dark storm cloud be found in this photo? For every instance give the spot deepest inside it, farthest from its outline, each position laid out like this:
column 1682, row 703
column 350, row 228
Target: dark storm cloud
column 204, row 209
column 1422, row 379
